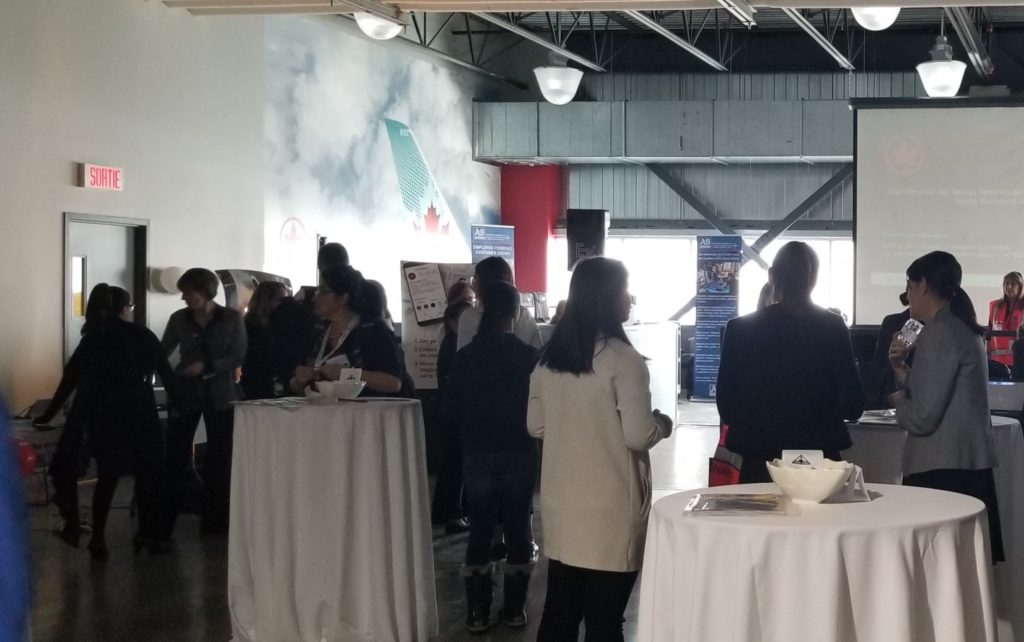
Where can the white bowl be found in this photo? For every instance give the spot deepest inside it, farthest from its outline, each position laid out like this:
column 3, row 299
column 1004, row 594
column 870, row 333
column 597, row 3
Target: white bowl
column 349, row 389
column 809, row 485
column 335, row 390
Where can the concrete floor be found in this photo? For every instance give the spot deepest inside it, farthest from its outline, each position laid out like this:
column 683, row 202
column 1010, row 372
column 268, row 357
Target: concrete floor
column 182, row 596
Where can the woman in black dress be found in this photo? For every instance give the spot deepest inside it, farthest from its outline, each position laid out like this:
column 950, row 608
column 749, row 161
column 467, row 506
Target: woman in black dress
column 112, row 370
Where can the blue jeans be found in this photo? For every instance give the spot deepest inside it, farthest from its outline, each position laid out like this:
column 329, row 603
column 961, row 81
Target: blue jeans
column 499, row 489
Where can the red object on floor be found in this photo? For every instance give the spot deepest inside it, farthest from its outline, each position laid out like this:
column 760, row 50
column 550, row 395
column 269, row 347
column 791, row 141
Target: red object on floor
column 27, row 458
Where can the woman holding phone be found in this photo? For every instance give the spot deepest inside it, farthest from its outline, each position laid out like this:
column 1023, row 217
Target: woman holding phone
column 942, row 401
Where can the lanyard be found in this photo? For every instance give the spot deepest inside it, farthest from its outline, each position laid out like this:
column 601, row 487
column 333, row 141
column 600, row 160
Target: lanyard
column 323, row 355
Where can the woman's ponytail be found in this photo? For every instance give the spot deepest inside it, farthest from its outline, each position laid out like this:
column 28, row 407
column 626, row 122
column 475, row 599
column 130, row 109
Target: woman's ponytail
column 963, row 308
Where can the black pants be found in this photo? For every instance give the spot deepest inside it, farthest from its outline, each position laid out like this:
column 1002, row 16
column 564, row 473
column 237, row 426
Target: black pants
column 979, row 484
column 499, row 490
column 181, row 431
column 447, row 504
column 598, row 598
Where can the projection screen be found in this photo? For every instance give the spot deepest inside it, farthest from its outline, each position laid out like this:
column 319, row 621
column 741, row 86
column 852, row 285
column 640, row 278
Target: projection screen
column 931, row 178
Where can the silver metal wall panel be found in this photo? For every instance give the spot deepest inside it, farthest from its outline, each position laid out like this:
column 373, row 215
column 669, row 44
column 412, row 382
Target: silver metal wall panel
column 505, row 130
column 740, row 192
column 757, row 128
column 827, row 128
column 581, row 130
column 728, row 86
column 663, row 129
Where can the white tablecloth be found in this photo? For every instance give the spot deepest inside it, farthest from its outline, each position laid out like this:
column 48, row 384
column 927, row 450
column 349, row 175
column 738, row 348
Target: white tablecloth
column 911, row 566
column 330, row 527
column 878, row 449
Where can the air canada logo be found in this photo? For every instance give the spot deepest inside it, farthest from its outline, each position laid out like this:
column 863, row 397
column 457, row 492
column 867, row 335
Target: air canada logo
column 904, row 155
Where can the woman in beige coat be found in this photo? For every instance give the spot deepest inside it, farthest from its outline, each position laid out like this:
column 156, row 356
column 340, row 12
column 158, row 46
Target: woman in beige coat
column 590, row 402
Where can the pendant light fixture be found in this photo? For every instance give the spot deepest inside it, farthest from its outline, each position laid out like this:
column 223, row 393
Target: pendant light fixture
column 558, row 84
column 376, row 27
column 875, row 18
column 941, row 76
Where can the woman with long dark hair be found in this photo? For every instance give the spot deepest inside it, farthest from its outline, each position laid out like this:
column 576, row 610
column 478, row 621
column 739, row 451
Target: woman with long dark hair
column 590, row 402
column 356, row 336
column 943, row 399
column 111, row 370
column 485, row 400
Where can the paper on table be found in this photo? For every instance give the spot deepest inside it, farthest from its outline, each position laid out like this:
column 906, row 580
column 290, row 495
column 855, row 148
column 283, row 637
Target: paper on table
column 739, row 504
column 883, row 417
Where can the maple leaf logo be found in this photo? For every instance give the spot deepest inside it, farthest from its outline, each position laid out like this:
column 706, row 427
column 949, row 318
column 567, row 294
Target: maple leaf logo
column 431, row 223
column 904, row 155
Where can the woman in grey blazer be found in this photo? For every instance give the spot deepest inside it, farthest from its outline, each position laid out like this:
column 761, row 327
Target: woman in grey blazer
column 942, row 402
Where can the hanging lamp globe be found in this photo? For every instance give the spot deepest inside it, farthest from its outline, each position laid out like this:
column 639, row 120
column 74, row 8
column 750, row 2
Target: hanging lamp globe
column 875, row 18
column 558, row 84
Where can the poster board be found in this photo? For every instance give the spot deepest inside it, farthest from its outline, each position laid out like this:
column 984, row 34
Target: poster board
column 423, row 329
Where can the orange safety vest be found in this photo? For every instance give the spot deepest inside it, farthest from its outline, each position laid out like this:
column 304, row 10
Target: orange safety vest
column 1000, row 319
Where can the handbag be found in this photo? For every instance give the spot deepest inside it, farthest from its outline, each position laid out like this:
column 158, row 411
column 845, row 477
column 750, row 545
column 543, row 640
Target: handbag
column 724, row 465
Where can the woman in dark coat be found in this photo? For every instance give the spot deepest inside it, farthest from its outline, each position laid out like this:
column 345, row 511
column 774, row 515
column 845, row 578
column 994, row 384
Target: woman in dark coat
column 258, row 367
column 111, row 370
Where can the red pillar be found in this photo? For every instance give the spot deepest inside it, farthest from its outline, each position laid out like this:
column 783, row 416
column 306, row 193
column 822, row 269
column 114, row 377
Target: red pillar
column 532, row 200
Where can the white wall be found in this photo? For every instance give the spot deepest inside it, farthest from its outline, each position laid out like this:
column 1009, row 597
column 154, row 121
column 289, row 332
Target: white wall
column 175, row 100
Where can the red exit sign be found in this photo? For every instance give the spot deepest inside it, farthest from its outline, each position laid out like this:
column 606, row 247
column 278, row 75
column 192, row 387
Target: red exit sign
column 100, row 177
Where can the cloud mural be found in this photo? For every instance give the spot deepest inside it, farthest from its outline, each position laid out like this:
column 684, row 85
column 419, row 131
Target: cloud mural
column 359, row 139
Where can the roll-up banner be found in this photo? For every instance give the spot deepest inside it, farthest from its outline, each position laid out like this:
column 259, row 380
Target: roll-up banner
column 718, row 268
column 494, row 240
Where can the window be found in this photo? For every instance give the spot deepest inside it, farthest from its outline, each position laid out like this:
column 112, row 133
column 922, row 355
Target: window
column 662, row 272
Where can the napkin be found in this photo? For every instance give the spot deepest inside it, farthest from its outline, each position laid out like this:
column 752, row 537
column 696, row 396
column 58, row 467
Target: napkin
column 853, row 490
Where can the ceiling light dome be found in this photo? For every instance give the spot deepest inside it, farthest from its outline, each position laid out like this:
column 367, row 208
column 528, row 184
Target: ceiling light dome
column 558, row 84
column 941, row 76
column 376, row 27
column 875, row 18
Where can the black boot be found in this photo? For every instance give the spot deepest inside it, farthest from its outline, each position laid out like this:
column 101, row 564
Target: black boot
column 478, row 597
column 517, row 581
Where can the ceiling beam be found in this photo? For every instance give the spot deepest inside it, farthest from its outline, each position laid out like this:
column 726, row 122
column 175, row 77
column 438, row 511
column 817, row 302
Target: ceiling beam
column 534, row 38
column 961, row 20
column 796, row 16
column 651, row 24
column 741, row 11
column 222, row 7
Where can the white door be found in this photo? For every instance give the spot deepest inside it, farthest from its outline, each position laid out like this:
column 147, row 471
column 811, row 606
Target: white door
column 99, row 251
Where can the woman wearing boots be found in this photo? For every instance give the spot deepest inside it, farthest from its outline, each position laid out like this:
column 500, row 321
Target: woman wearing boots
column 590, row 402
column 486, row 398
column 111, row 370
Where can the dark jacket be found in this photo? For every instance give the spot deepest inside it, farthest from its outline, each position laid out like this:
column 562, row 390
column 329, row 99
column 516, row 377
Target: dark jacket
column 220, row 346
column 111, row 371
column 371, row 345
column 487, row 393
column 891, row 324
column 258, row 368
column 787, row 381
